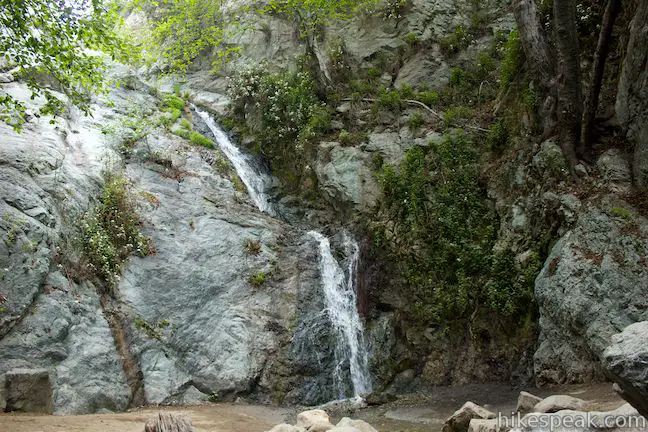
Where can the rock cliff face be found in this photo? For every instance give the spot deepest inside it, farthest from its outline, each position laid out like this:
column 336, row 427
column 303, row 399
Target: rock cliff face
column 209, row 318
column 633, row 93
column 50, row 174
column 185, row 324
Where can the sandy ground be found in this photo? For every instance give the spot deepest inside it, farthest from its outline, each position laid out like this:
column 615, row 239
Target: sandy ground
column 409, row 414
column 212, row 418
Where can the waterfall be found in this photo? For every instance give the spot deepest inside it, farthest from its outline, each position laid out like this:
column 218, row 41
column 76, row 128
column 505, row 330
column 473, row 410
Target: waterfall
column 341, row 308
column 351, row 357
column 255, row 180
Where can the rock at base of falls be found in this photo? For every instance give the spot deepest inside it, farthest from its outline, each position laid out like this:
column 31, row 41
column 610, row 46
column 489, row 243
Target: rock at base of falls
column 460, row 420
column 625, row 362
column 28, row 390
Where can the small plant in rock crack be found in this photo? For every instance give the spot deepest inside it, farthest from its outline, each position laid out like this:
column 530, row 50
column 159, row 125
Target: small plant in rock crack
column 252, row 247
column 258, row 279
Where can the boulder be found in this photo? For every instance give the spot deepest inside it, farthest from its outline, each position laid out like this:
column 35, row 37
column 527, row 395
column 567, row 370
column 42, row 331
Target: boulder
column 460, row 420
column 417, row 71
column 306, row 419
column 557, row 403
column 614, row 166
column 344, row 429
column 344, row 176
column 389, row 145
column 168, row 422
column 592, row 286
column 526, row 402
column 360, row 425
column 320, row 426
column 483, row 425
column 549, row 161
column 28, row 390
column 625, row 362
column 285, row 427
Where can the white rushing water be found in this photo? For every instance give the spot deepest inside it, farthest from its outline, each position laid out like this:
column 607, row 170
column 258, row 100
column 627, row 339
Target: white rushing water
column 254, row 179
column 339, row 290
column 342, row 310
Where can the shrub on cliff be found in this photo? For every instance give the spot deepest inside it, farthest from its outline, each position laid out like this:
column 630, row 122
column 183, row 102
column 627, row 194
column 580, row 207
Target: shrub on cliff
column 438, row 232
column 111, row 230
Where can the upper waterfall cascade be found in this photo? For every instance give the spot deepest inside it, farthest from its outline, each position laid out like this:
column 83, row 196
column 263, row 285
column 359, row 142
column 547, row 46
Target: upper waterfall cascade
column 255, row 180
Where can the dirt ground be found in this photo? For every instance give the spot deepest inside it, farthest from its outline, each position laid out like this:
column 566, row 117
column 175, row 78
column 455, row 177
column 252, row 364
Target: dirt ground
column 207, row 418
column 409, row 414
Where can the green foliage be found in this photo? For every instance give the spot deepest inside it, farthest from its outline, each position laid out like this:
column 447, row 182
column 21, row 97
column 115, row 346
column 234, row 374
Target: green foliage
column 512, row 62
column 390, row 99
column 181, row 132
column 311, row 15
column 438, row 233
column 170, row 116
column 460, row 78
column 111, row 231
column 284, row 114
column 498, row 135
column 200, row 140
column 257, row 279
column 621, row 213
column 454, row 115
column 185, row 124
column 47, row 37
column 373, row 73
column 429, row 98
column 530, row 98
column 459, row 39
column 485, row 65
column 345, row 137
column 183, row 129
column 176, row 89
column 181, row 30
column 510, row 288
column 415, row 121
column 406, row 91
column 411, row 38
column 390, row 9
column 174, row 102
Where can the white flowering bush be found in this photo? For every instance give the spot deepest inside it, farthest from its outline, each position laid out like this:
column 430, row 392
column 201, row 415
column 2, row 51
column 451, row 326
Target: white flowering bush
column 111, row 231
column 389, row 9
column 283, row 112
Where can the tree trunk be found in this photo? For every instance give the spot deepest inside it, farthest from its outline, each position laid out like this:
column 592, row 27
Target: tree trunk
column 317, row 66
column 569, row 108
column 534, row 43
column 540, row 61
column 591, row 102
